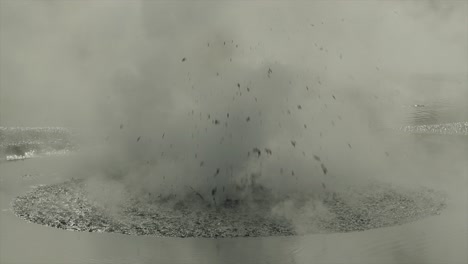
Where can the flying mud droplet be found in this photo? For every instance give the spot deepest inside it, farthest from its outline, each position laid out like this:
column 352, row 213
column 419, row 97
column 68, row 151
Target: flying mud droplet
column 138, row 139
column 247, row 119
column 202, row 163
column 324, row 169
column 121, row 126
column 317, row 158
column 293, row 142
column 349, row 145
column 268, row 151
column 184, row 59
column 299, row 107
column 258, row 151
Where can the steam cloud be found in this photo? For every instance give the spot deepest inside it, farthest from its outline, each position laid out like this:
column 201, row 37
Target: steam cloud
column 198, row 94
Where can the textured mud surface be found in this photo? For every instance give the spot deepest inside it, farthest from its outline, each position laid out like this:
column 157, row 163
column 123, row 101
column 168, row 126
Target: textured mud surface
column 25, row 142
column 460, row 128
column 69, row 206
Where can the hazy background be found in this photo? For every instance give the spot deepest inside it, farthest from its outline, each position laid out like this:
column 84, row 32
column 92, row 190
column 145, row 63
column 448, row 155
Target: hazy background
column 174, row 91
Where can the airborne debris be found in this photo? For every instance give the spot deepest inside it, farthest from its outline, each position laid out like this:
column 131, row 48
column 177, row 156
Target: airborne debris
column 269, row 72
column 138, row 139
column 293, row 142
column 258, row 151
column 183, row 59
column 349, row 145
column 247, row 119
column 324, row 169
column 197, row 193
column 202, row 163
column 268, row 151
column 121, row 126
column 216, row 121
column 317, row 158
column 333, row 97
column 299, row 107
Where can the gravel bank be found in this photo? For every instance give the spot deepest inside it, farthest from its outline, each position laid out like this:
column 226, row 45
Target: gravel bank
column 69, row 206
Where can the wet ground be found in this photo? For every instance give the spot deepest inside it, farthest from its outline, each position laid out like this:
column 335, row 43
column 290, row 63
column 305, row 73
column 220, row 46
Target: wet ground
column 70, row 206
